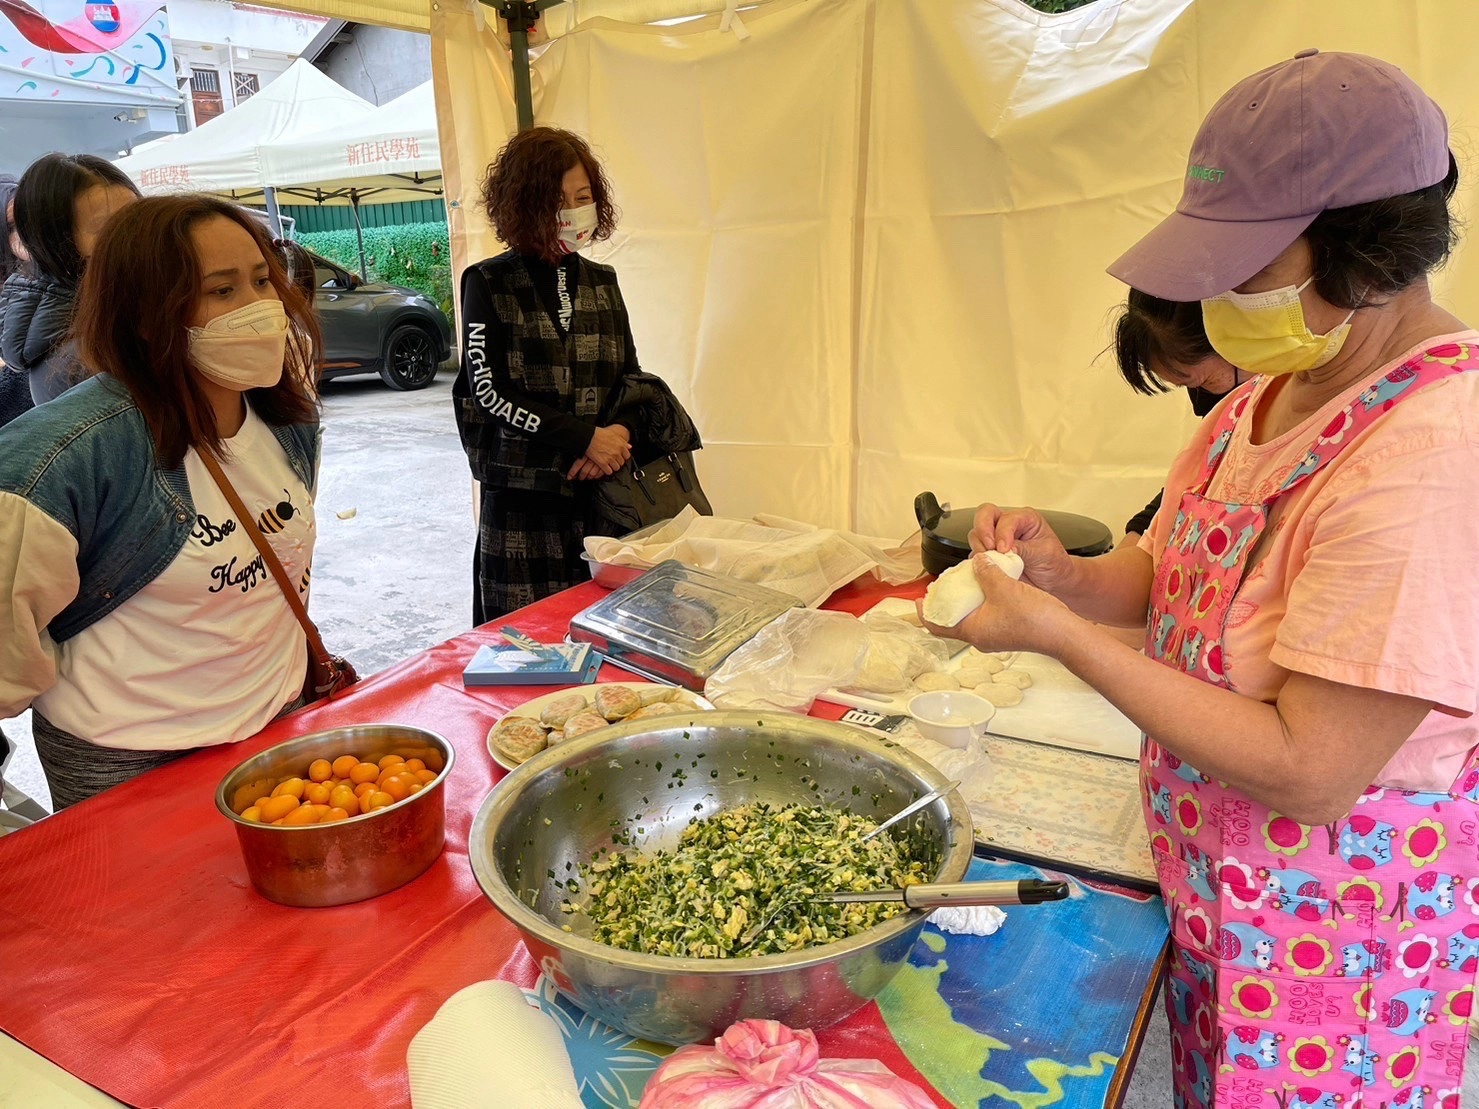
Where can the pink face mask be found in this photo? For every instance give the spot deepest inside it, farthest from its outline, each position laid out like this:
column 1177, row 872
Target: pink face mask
column 243, row 349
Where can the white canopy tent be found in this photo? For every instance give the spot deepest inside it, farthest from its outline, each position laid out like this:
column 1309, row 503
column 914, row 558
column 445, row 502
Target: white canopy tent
column 389, row 154
column 226, row 154
column 864, row 240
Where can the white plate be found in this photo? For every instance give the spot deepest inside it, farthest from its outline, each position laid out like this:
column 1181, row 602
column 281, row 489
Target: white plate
column 534, row 707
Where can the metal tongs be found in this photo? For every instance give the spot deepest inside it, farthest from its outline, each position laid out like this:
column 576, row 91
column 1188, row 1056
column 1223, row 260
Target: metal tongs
column 931, row 895
column 924, row 895
column 910, row 810
column 927, row 895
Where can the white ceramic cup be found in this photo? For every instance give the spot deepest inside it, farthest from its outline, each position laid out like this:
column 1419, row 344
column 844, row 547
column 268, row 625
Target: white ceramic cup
column 951, row 716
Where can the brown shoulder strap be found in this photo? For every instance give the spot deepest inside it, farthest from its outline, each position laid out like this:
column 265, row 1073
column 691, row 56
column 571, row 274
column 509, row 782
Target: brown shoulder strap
column 269, row 557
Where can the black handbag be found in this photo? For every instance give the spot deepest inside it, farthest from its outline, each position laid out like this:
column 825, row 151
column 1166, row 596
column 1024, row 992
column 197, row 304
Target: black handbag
column 636, row 496
column 660, row 480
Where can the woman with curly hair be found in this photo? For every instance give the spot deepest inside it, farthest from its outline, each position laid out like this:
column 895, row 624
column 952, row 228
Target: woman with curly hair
column 545, row 340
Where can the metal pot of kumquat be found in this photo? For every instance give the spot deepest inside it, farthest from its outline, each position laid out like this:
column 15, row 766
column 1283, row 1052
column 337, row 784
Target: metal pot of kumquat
column 638, row 788
column 355, row 857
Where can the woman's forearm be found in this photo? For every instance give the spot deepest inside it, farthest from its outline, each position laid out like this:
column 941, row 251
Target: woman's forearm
column 1111, row 588
column 1307, row 756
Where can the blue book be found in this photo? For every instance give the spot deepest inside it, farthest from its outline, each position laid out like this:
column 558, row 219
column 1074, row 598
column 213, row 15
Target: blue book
column 554, row 664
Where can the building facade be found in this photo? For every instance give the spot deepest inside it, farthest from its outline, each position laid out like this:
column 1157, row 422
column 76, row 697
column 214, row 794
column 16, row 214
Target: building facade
column 83, row 76
column 376, row 63
column 228, row 52
column 94, row 77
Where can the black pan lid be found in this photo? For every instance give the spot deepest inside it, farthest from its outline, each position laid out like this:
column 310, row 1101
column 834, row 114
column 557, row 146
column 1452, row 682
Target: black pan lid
column 950, row 529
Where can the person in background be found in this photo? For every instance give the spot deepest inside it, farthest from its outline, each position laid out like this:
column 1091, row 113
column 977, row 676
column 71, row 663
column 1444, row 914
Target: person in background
column 15, row 389
column 12, row 253
column 137, row 618
column 1160, row 344
column 545, row 338
column 298, row 264
column 1309, row 675
column 62, row 203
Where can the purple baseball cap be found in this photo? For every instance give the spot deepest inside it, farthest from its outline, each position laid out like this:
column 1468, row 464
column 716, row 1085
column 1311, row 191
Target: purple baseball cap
column 1319, row 131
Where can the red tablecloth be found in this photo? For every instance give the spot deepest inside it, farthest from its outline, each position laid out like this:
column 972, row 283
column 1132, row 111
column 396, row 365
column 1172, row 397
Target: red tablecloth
column 136, row 955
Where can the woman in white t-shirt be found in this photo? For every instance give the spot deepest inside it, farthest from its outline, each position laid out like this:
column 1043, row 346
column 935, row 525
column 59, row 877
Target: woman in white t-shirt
column 136, row 616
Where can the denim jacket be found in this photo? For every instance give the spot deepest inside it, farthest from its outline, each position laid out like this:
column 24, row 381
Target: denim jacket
column 81, row 470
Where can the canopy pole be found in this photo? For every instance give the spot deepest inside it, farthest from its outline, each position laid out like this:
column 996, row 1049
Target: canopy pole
column 359, row 234
column 521, row 16
column 274, row 214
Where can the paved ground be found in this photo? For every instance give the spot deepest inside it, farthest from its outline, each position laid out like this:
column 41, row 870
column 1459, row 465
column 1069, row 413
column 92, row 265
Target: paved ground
column 396, row 577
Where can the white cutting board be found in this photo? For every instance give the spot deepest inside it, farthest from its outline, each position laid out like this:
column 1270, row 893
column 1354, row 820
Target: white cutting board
column 1057, row 709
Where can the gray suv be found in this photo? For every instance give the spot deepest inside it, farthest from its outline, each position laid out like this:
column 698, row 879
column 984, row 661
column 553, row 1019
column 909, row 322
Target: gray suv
column 384, row 329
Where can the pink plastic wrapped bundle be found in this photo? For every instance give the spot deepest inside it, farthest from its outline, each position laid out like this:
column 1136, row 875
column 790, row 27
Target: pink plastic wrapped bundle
column 762, row 1064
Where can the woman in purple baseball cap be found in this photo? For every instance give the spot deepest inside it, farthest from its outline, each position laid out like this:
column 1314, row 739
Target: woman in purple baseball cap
column 1310, row 667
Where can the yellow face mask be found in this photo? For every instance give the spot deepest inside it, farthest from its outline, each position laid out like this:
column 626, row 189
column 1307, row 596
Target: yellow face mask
column 1265, row 333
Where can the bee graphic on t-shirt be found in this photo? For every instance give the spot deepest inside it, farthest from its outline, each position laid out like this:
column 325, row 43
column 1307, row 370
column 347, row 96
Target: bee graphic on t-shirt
column 274, row 519
column 305, row 579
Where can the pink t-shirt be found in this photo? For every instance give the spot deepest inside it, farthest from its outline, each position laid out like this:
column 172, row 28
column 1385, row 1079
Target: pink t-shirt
column 1368, row 573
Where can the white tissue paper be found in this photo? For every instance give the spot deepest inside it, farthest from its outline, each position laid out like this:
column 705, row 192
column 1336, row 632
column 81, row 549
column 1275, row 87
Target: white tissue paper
column 808, row 562
column 956, row 593
column 968, row 920
column 461, row 1058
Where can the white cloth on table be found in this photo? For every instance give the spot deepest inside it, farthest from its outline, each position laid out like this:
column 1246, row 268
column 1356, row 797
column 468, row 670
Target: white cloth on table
column 968, row 920
column 488, row 1048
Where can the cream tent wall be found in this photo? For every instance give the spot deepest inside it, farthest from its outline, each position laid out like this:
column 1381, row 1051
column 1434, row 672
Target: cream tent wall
column 865, row 239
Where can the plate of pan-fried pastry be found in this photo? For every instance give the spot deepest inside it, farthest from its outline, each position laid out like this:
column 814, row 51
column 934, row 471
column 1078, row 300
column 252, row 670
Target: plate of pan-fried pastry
column 566, row 713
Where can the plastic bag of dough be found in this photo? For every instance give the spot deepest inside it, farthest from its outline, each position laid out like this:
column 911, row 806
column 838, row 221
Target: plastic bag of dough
column 762, row 1062
column 898, row 653
column 918, row 649
column 789, row 661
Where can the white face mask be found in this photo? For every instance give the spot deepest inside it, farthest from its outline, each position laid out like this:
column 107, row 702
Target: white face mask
column 244, row 348
column 577, row 225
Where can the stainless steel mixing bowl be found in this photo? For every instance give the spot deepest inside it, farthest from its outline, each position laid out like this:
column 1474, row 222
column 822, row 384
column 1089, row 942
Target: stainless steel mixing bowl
column 649, row 779
column 362, row 857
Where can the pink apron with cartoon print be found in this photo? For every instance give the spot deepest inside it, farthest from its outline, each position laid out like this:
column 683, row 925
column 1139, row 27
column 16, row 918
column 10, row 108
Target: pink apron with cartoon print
column 1312, row 967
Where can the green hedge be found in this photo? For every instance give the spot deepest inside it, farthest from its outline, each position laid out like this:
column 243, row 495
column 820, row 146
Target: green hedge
column 411, row 254
column 1053, row 6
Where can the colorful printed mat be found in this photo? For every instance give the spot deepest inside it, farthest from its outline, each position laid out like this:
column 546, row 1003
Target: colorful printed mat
column 979, row 1018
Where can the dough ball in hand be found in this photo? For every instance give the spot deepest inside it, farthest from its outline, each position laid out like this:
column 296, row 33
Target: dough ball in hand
column 1019, row 678
column 562, row 709
column 956, row 594
column 931, row 682
column 1002, row 696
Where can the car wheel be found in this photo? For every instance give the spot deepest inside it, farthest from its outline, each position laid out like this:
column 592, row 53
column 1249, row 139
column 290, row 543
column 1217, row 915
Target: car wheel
column 410, row 358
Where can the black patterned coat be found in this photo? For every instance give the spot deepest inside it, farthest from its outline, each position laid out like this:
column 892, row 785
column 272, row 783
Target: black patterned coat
column 527, row 400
